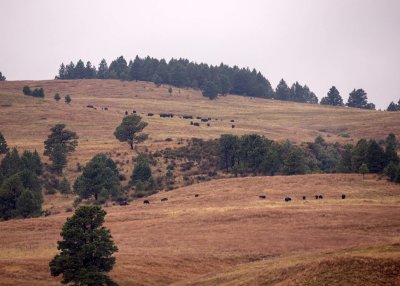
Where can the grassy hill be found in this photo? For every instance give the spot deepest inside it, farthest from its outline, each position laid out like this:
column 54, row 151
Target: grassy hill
column 275, row 119
column 228, row 235
column 25, row 121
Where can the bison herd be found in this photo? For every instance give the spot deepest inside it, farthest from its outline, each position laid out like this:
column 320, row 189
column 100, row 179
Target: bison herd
column 262, row 197
column 186, row 116
column 288, row 199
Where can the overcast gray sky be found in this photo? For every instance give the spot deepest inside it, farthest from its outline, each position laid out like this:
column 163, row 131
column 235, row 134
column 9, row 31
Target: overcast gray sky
column 346, row 43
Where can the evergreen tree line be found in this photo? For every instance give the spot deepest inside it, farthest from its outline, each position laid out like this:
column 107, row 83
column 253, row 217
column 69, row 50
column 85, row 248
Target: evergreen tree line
column 2, row 77
column 212, row 80
column 257, row 155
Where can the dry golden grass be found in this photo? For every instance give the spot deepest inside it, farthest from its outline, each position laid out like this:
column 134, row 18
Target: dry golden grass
column 25, row 121
column 223, row 232
column 227, row 235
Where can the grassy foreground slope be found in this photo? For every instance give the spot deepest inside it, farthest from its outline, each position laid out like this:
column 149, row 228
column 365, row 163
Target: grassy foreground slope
column 233, row 237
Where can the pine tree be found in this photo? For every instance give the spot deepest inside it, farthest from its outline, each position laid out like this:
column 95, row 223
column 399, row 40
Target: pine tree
column 68, row 99
column 86, row 249
column 65, row 187
column 282, row 91
column 210, row 90
column 31, row 161
column 390, row 150
column 141, row 171
column 2, row 77
column 393, row 107
column 58, row 144
column 157, row 80
column 57, row 97
column 11, row 163
column 98, row 174
column 3, row 144
column 128, row 130
column 358, row 99
column 375, row 157
column 333, row 98
column 62, row 72
column 102, row 72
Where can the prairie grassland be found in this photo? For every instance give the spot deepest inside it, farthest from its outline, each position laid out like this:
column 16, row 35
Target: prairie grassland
column 226, row 230
column 229, row 236
column 25, row 121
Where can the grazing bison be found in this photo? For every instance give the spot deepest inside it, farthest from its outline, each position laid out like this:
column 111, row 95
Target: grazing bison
column 262, row 197
column 134, row 111
column 196, row 195
column 150, row 114
column 196, row 124
column 126, row 112
column 320, row 197
column 288, row 199
column 146, row 202
column 105, row 108
column 89, row 106
column 316, row 197
column 166, row 115
column 164, row 199
column 232, row 120
column 187, row 116
column 204, row 119
column 208, row 125
column 304, row 198
column 233, row 126
column 343, row 196
column 123, row 202
column 191, row 122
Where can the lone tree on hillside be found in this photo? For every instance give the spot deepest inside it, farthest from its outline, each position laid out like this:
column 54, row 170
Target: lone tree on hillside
column 86, row 249
column 170, row 91
column 128, row 130
column 333, row 98
column 58, row 144
column 57, row 97
column 2, row 77
column 68, row 99
column 3, row 144
column 100, row 177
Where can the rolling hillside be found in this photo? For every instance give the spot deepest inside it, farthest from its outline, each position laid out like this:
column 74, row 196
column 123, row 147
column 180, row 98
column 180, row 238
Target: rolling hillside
column 25, row 121
column 229, row 236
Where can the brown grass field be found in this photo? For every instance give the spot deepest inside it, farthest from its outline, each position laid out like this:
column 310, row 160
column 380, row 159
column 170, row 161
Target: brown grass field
column 226, row 236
